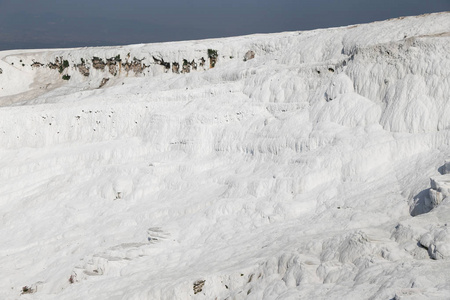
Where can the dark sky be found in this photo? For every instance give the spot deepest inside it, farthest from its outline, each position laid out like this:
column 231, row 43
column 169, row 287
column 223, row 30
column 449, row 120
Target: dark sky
column 78, row 23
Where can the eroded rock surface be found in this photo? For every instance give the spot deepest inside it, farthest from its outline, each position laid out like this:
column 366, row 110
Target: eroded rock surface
column 98, row 63
column 249, row 55
column 440, row 189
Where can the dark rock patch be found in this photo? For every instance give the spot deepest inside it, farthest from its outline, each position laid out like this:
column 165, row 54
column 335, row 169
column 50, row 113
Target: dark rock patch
column 249, row 55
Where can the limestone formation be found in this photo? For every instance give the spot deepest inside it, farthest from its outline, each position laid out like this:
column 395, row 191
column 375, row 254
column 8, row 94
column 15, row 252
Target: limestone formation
column 213, row 56
column 198, row 286
column 440, row 189
column 447, row 166
column 113, row 63
column 36, row 64
column 98, row 63
column 104, row 81
column 202, row 62
column 83, row 69
column 136, row 66
column 56, row 64
column 193, row 65
column 162, row 63
column 249, row 55
column 186, row 67
column 175, row 68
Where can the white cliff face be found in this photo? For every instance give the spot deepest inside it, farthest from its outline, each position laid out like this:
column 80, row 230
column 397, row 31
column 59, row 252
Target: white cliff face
column 303, row 172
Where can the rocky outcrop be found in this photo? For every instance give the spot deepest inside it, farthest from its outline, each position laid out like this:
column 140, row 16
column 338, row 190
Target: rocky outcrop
column 437, row 242
column 162, row 63
column 175, row 68
column 213, row 56
column 136, row 65
column 198, row 286
column 194, row 65
column 104, row 81
column 187, row 66
column 83, row 69
column 113, row 63
column 447, row 166
column 98, row 63
column 60, row 64
column 202, row 62
column 55, row 65
column 440, row 185
column 440, row 189
column 36, row 64
column 249, row 55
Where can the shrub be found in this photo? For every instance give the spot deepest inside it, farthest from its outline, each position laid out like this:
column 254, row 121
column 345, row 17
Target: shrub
column 212, row 53
column 63, row 66
column 27, row 290
column 66, row 77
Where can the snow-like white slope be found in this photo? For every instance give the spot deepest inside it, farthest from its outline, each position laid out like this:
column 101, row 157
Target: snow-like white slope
column 303, row 173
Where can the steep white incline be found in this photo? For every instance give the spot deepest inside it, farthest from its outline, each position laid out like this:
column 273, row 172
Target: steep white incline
column 303, row 173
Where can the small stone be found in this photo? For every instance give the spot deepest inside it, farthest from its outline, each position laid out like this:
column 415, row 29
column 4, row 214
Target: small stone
column 249, row 55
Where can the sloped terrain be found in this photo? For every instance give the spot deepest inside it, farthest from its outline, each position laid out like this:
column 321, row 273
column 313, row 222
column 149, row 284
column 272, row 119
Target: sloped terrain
column 184, row 171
